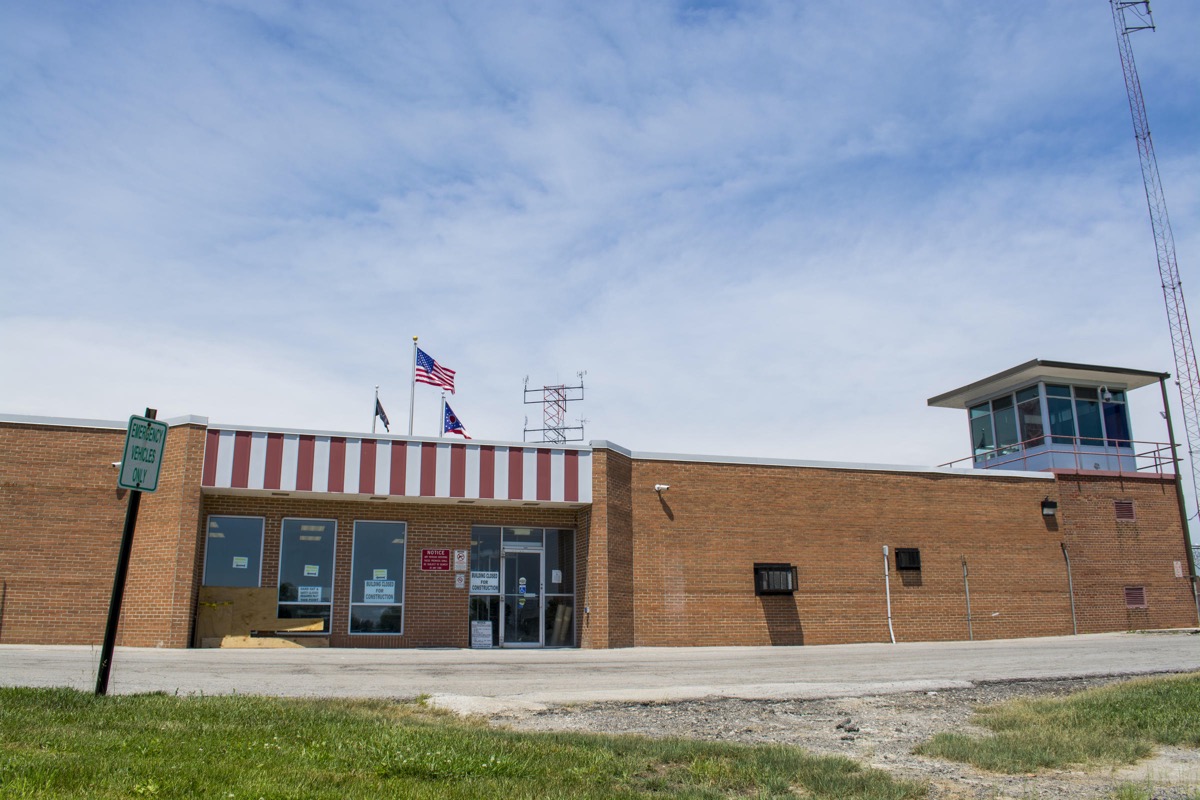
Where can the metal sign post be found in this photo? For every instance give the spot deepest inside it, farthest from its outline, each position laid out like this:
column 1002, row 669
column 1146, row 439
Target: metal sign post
column 144, row 444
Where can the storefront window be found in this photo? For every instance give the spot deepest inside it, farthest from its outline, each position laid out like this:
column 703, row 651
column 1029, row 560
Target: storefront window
column 306, row 569
column 233, row 552
column 377, row 578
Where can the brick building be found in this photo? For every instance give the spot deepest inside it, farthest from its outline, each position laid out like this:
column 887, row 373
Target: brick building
column 1060, row 522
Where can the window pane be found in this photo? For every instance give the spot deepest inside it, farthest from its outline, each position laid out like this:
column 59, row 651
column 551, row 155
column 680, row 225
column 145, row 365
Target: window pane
column 487, row 609
column 981, row 410
column 529, row 536
column 1029, row 413
column 1062, row 419
column 377, row 574
column 306, row 567
column 981, row 434
column 560, row 622
column 1029, row 393
column 1058, row 391
column 295, row 611
column 560, row 562
column 1087, row 393
column 1116, row 425
column 1088, row 414
column 1006, row 424
column 485, row 560
column 376, row 619
column 233, row 551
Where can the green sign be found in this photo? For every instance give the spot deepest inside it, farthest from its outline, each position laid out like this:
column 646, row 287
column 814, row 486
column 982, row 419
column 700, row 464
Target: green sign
column 144, row 444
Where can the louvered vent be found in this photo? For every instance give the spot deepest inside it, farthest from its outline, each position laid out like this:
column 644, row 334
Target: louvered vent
column 1135, row 596
column 1123, row 509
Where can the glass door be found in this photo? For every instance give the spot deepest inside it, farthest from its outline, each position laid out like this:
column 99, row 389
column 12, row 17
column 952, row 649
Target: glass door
column 521, row 611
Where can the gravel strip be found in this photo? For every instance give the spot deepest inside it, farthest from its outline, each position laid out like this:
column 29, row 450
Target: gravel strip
column 880, row 731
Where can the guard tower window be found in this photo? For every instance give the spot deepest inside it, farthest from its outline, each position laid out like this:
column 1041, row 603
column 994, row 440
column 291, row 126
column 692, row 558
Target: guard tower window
column 774, row 579
column 908, row 558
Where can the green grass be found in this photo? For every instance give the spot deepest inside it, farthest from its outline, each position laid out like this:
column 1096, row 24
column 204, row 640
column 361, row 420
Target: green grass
column 1116, row 724
column 62, row 743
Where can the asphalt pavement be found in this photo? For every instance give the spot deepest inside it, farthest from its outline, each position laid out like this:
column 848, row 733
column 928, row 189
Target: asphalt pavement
column 488, row 681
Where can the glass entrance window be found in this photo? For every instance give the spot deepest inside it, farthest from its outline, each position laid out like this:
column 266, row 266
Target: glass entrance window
column 377, row 578
column 306, row 551
column 523, row 586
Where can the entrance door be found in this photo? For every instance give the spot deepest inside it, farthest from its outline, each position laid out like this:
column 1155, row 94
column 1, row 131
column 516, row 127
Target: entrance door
column 521, row 610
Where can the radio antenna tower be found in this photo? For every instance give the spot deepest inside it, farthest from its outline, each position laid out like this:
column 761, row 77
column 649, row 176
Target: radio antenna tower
column 553, row 400
column 1129, row 17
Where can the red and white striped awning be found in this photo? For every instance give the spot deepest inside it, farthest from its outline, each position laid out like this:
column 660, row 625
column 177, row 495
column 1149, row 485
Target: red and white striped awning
column 393, row 467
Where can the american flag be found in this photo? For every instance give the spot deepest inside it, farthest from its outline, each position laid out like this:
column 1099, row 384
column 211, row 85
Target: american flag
column 433, row 373
column 453, row 424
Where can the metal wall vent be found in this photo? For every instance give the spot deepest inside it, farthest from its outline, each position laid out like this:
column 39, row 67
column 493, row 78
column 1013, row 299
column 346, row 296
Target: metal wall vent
column 1123, row 509
column 1135, row 597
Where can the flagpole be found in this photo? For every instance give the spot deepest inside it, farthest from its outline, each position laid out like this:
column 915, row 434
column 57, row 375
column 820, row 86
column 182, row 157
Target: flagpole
column 412, row 394
column 442, row 423
column 375, row 411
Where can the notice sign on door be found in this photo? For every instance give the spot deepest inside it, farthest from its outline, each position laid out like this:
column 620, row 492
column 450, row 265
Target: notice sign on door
column 379, row 591
column 435, row 560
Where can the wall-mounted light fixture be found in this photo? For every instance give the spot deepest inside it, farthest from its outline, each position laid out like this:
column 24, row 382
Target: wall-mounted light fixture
column 661, row 487
column 1049, row 507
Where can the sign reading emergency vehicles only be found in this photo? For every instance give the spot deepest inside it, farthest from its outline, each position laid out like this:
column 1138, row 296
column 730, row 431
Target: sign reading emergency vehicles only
column 144, row 445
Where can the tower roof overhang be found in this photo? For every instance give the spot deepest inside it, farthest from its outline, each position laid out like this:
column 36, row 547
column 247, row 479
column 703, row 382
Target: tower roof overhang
column 1052, row 371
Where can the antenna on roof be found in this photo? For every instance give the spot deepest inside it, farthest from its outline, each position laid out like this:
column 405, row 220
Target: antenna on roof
column 553, row 400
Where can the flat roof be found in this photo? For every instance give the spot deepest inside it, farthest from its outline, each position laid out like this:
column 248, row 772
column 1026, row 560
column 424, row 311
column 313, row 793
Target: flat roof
column 1037, row 369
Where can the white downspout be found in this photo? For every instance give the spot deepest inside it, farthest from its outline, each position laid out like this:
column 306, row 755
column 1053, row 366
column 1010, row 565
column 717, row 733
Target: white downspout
column 887, row 588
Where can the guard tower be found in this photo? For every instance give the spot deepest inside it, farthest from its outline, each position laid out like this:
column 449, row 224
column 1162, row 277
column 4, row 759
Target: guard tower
column 1053, row 415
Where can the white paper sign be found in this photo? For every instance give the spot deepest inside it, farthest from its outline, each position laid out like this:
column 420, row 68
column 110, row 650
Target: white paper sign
column 379, row 574
column 460, row 581
column 309, row 594
column 241, row 562
column 312, row 570
column 460, row 560
column 485, row 582
column 481, row 633
column 1178, row 569
column 379, row 591
column 556, row 576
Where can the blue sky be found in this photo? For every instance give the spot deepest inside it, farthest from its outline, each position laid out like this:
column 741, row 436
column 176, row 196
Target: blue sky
column 767, row 229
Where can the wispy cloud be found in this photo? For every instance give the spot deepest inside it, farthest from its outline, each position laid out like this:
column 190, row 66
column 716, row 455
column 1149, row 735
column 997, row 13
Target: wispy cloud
column 763, row 228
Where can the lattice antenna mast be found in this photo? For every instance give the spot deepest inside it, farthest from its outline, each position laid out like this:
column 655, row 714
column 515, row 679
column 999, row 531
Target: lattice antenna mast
column 1129, row 17
column 553, row 400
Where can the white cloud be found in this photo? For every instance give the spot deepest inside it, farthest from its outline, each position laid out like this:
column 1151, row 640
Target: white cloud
column 767, row 229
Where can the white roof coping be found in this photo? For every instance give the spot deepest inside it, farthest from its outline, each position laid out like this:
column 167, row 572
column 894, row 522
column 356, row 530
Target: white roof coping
column 838, row 465
column 104, row 424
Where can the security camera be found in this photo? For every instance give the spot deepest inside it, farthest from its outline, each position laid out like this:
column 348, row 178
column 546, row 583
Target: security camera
column 116, row 464
column 661, row 487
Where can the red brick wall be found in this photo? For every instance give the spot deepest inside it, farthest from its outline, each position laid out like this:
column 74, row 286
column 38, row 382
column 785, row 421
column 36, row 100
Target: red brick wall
column 609, row 596
column 435, row 613
column 694, row 551
column 61, row 517
column 1108, row 554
